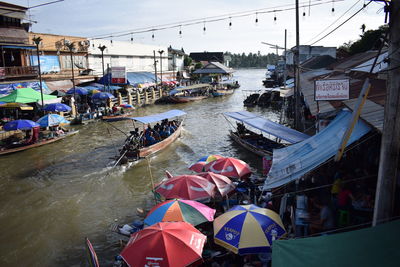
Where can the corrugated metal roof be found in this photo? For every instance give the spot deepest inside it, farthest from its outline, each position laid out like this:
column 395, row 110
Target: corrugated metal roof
column 346, row 64
column 366, row 66
column 371, row 112
column 214, row 67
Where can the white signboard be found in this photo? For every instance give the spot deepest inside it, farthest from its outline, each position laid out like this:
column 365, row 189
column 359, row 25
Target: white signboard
column 332, row 89
column 118, row 75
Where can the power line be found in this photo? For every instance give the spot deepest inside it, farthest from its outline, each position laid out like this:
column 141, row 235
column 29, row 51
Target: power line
column 334, row 22
column 340, row 25
column 275, row 9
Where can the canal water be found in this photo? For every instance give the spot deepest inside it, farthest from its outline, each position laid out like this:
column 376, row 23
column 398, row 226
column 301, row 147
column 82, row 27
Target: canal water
column 54, row 196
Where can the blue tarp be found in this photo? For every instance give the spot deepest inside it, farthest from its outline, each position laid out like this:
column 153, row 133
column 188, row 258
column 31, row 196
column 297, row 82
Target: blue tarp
column 134, row 78
column 6, row 89
column 292, row 162
column 267, row 126
column 160, row 116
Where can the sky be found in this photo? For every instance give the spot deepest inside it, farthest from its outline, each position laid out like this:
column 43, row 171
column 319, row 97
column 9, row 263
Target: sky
column 90, row 18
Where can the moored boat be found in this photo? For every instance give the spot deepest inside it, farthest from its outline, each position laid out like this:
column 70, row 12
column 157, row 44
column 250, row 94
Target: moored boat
column 278, row 136
column 222, row 92
column 21, row 147
column 136, row 146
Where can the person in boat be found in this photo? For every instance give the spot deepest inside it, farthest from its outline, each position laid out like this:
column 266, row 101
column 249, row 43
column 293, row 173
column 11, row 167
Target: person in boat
column 241, row 129
column 165, row 132
column 150, row 140
column 170, row 128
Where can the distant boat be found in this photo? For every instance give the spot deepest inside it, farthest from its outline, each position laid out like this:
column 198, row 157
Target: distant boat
column 187, row 94
column 222, row 92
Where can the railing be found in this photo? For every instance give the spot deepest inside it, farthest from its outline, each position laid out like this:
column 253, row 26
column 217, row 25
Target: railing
column 16, row 72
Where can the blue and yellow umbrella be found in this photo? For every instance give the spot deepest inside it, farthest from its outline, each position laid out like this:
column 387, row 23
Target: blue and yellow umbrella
column 248, row 229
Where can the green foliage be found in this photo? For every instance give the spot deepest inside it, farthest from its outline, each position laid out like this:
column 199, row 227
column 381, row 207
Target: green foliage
column 198, row 65
column 251, row 60
column 187, row 61
column 368, row 40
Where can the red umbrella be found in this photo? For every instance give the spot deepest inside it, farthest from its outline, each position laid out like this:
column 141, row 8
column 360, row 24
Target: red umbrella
column 222, row 183
column 191, row 187
column 198, row 166
column 165, row 244
column 230, row 167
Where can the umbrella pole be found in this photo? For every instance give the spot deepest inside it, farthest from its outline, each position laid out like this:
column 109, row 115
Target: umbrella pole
column 227, row 202
column 151, row 178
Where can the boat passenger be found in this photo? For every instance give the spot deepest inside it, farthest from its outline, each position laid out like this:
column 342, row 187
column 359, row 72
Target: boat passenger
column 150, row 140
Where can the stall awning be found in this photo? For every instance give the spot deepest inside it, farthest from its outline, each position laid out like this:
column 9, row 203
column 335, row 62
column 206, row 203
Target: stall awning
column 16, row 46
column 267, row 126
column 160, row 116
column 292, row 162
column 370, row 247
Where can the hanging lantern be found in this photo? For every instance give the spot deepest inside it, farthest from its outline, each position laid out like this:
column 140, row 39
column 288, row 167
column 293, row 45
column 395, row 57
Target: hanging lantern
column 256, row 18
column 230, row 23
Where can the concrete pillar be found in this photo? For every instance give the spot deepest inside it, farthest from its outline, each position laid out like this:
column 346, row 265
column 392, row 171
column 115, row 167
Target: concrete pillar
column 129, row 98
column 146, row 98
column 153, row 94
column 119, row 99
column 160, row 92
column 138, row 98
column 73, row 107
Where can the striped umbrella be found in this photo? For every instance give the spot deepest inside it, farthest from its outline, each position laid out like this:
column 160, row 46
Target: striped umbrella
column 248, row 229
column 223, row 184
column 177, row 210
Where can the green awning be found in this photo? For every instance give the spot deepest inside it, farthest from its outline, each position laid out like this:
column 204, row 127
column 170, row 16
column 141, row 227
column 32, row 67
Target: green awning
column 25, row 95
column 370, row 247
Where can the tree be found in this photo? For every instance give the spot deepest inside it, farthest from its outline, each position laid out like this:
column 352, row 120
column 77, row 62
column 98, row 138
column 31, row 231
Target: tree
column 187, row 61
column 370, row 39
column 198, row 65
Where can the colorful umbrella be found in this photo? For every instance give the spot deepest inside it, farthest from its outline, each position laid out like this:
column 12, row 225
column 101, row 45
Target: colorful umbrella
column 165, row 244
column 127, row 106
column 51, row 120
column 231, row 167
column 78, row 91
column 222, row 183
column 102, row 95
column 177, row 210
column 248, row 229
column 20, row 125
column 57, row 107
column 191, row 187
column 199, row 165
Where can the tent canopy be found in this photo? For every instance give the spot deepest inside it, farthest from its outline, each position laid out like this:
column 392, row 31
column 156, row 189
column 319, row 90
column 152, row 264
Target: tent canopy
column 160, row 116
column 25, row 95
column 370, row 247
column 267, row 126
column 292, row 162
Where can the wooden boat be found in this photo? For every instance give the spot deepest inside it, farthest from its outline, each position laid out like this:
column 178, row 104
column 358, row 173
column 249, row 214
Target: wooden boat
column 37, row 144
column 132, row 151
column 120, row 117
column 277, row 135
column 258, row 144
column 222, row 92
column 186, row 99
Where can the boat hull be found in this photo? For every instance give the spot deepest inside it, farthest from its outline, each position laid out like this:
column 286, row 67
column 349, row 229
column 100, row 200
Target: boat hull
column 186, row 99
column 222, row 92
column 45, row 142
column 147, row 151
column 116, row 117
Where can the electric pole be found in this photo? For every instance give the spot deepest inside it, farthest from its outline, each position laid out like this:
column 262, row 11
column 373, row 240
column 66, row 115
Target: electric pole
column 155, row 66
column 390, row 144
column 297, row 119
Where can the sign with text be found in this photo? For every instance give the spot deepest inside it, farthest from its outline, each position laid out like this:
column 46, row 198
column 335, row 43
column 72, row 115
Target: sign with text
column 118, row 75
column 332, row 89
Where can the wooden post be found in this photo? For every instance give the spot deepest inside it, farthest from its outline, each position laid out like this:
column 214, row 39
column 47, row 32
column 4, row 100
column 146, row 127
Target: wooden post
column 390, row 145
column 129, row 98
column 160, row 92
column 146, row 98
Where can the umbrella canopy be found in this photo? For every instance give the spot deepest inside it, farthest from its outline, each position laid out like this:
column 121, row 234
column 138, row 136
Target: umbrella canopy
column 231, row 167
column 222, row 183
column 102, row 95
column 51, row 120
column 20, row 125
column 176, row 210
column 25, row 95
column 57, row 107
column 248, row 229
column 199, row 165
column 191, row 187
column 165, row 244
column 21, row 106
column 78, row 91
